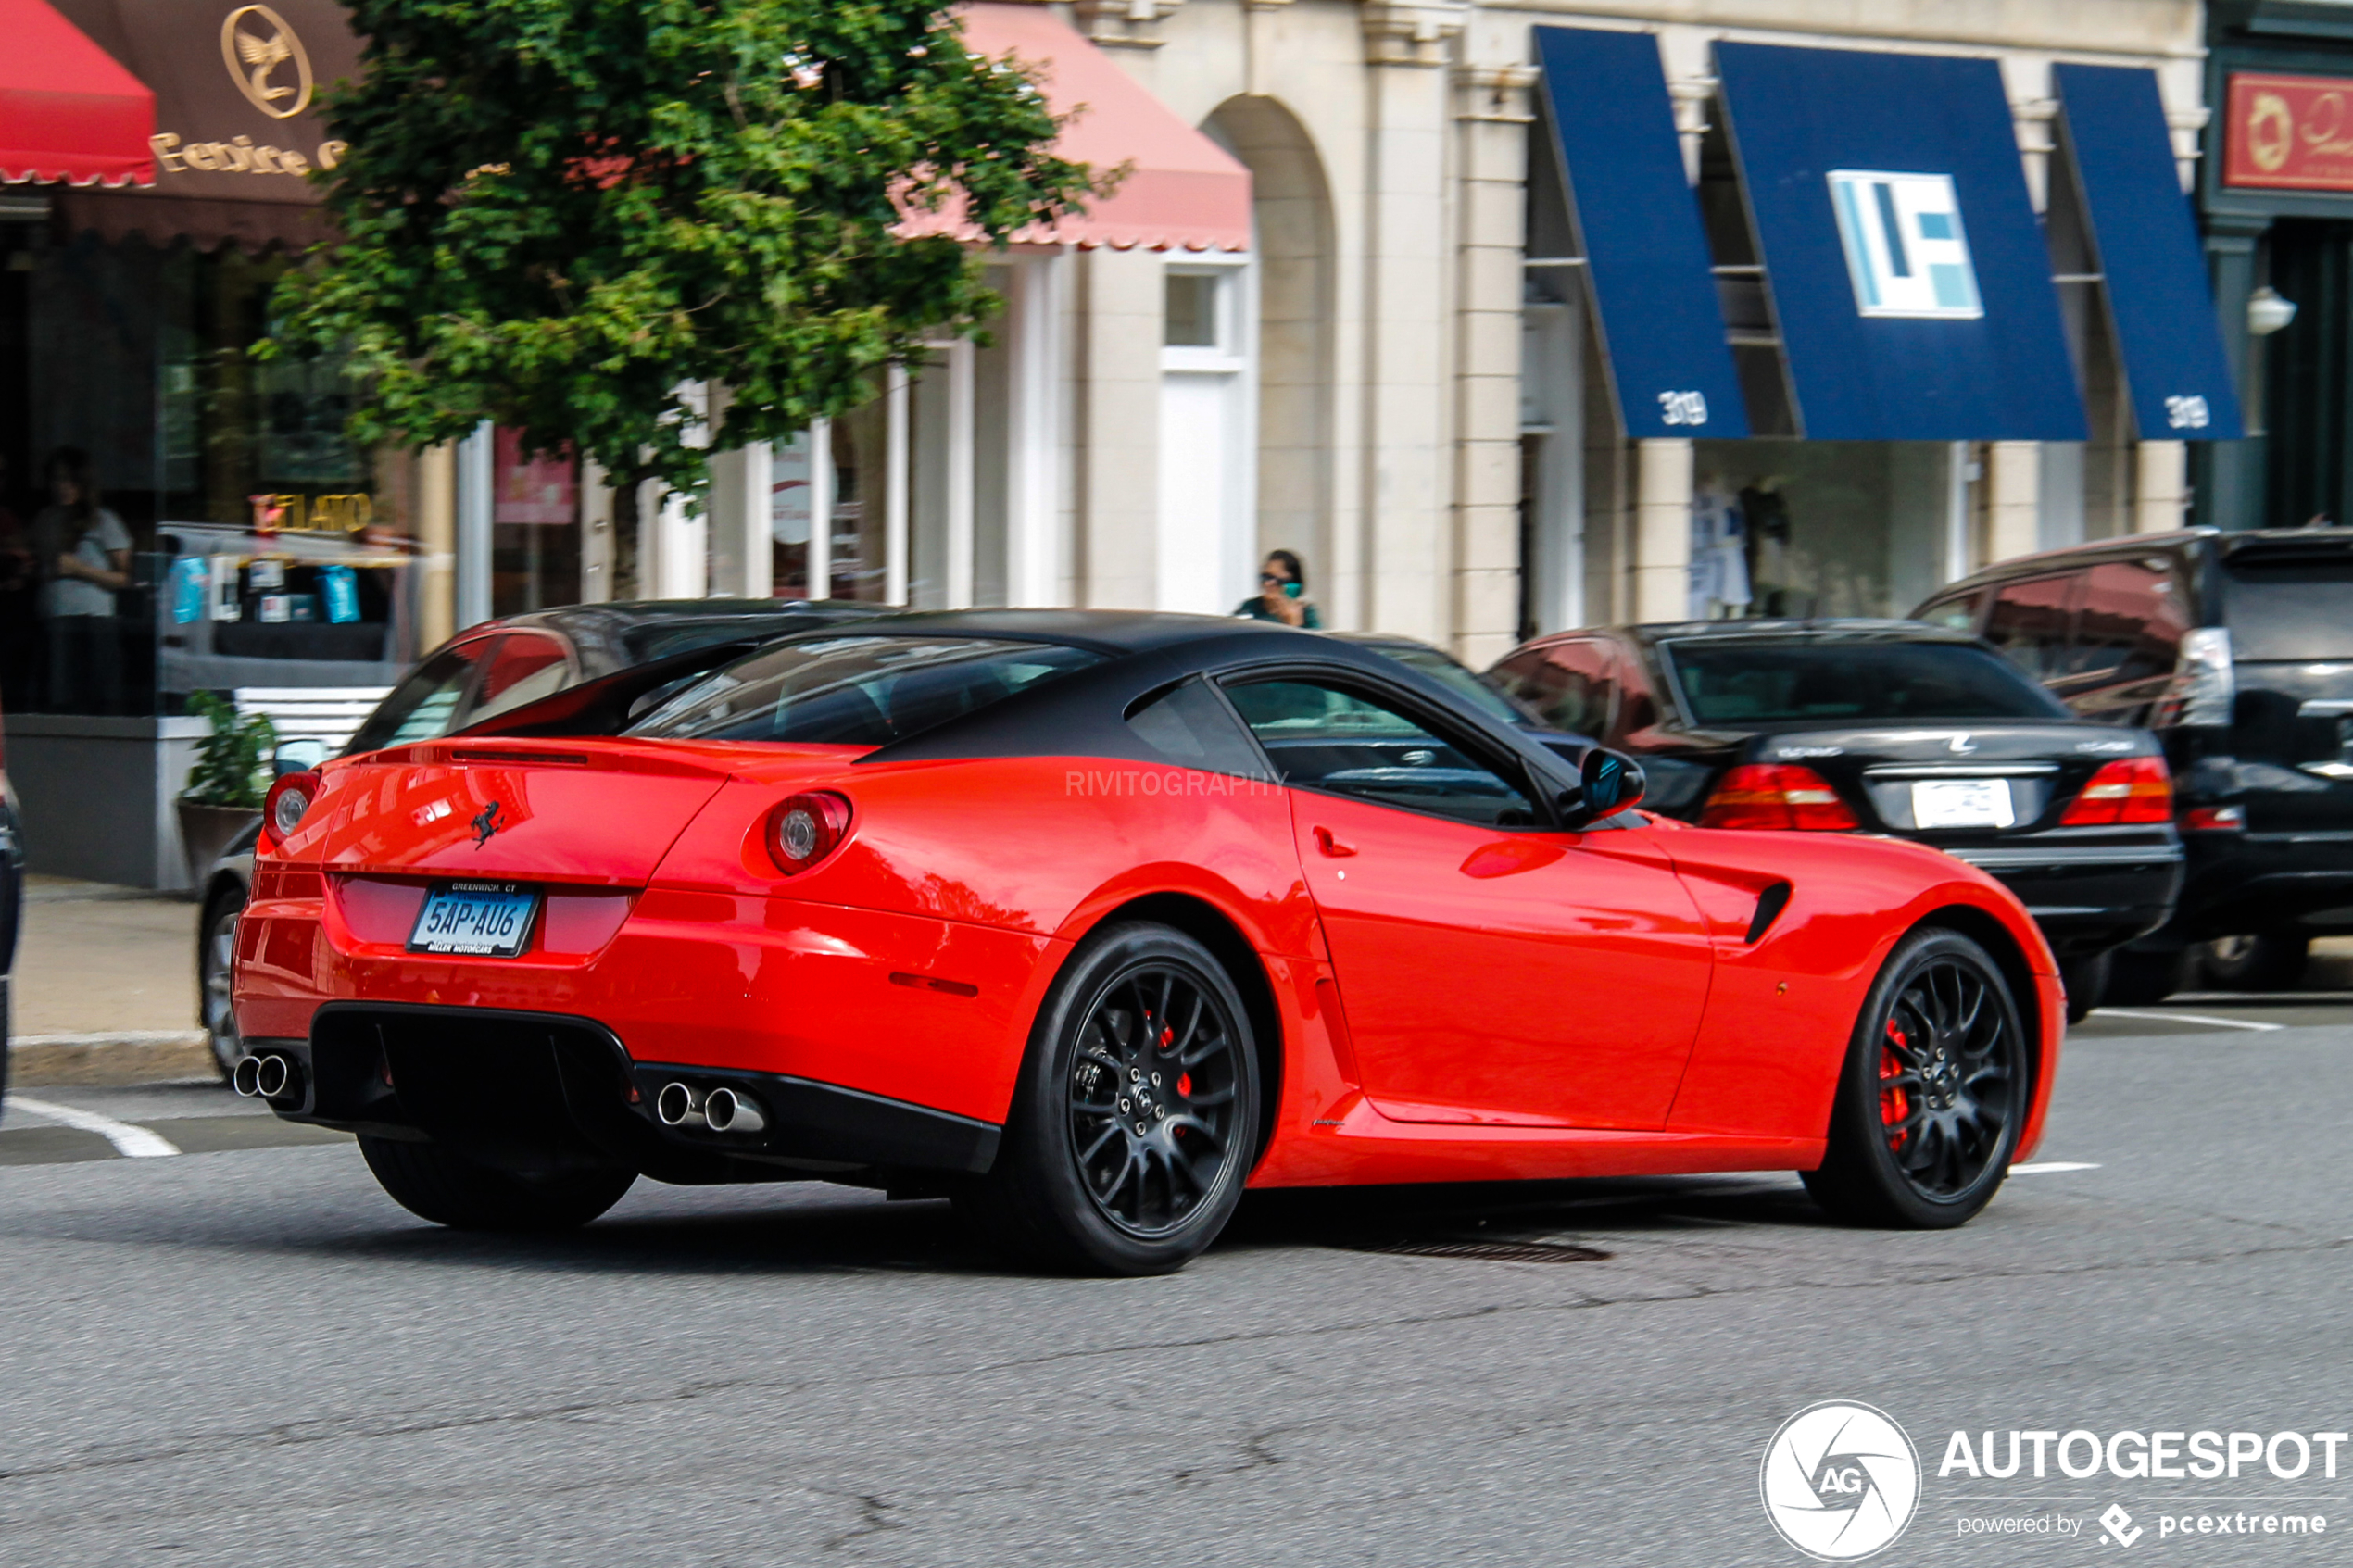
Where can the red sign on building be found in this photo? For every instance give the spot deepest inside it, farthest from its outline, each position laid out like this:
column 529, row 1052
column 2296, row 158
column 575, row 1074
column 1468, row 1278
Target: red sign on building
column 2288, row 133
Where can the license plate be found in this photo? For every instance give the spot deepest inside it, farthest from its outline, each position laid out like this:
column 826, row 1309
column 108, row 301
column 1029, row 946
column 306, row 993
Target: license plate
column 1962, row 803
column 481, row 918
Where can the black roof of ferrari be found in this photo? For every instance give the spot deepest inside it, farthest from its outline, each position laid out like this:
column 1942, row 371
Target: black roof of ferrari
column 1106, row 631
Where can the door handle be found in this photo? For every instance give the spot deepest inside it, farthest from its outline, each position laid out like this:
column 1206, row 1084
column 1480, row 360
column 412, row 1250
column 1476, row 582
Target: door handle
column 1331, row 845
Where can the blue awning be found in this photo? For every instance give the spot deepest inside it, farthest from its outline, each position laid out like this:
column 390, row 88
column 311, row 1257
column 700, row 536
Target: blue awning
column 1909, row 274
column 1638, row 224
column 2145, row 238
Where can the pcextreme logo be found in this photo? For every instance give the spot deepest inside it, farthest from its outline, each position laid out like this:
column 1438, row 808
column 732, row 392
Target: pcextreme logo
column 1840, row 1480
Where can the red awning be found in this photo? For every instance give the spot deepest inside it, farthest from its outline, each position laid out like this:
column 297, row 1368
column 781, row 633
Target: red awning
column 68, row 111
column 1184, row 192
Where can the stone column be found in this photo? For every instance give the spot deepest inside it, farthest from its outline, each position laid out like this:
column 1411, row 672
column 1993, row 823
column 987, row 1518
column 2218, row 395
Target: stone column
column 1407, row 552
column 1119, row 328
column 436, row 545
column 2013, row 499
column 1662, row 567
column 1491, row 119
column 2160, row 486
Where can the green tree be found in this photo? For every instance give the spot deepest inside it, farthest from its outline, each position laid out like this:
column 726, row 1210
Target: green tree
column 555, row 214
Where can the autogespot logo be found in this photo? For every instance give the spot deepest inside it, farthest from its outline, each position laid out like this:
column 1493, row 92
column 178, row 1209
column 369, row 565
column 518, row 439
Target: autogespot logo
column 1839, row 1481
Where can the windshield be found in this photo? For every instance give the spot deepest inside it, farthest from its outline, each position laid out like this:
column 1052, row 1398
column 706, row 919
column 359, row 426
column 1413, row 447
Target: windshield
column 1739, row 683
column 2288, row 607
column 1459, row 681
column 855, row 691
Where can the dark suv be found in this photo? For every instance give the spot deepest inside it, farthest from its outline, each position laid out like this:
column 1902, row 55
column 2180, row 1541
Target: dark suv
column 2237, row 649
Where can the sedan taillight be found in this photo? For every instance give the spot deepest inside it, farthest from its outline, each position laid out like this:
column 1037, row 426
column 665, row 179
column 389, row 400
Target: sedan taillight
column 2130, row 790
column 1777, row 795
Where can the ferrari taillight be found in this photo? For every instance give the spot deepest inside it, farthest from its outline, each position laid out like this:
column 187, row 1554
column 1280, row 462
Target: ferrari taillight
column 286, row 804
column 1777, row 795
column 806, row 828
column 2130, row 790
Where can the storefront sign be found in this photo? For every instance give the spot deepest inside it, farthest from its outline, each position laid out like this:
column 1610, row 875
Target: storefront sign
column 2289, row 132
column 337, row 515
column 236, row 85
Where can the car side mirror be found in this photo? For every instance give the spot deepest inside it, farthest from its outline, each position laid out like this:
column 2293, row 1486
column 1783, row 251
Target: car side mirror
column 1608, row 783
column 297, row 756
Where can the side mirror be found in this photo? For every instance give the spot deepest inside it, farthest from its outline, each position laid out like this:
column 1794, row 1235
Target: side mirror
column 1607, row 783
column 297, row 756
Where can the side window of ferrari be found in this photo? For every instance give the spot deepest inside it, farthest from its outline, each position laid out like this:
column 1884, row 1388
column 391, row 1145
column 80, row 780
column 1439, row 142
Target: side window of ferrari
column 1191, row 727
column 1329, row 737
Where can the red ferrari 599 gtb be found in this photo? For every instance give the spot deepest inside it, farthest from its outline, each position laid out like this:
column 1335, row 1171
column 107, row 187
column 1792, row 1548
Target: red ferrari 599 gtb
column 1089, row 920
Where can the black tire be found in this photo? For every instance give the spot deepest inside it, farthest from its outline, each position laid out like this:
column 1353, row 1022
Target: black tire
column 436, row 1183
column 1135, row 1117
column 2138, row 979
column 1936, row 1086
column 2086, row 978
column 2268, row 960
column 216, row 941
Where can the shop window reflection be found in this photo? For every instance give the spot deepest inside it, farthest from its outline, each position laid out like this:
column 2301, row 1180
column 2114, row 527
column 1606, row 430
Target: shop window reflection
column 263, row 548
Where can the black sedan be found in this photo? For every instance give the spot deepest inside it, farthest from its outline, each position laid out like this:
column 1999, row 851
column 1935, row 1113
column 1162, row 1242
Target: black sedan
column 483, row 672
column 1882, row 726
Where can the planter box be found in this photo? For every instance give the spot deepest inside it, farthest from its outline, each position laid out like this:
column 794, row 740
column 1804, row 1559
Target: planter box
column 205, row 832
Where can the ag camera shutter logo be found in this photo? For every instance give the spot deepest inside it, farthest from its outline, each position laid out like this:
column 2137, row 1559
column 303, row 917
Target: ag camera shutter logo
column 1839, row 1481
column 1907, row 252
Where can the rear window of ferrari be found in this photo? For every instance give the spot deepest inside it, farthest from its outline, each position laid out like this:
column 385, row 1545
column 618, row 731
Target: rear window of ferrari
column 855, row 691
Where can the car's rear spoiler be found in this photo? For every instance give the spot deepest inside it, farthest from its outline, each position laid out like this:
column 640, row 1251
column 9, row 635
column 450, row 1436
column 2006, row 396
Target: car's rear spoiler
column 605, row 705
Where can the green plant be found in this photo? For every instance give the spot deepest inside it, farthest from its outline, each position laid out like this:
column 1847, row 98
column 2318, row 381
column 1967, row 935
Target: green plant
column 232, row 762
column 562, row 216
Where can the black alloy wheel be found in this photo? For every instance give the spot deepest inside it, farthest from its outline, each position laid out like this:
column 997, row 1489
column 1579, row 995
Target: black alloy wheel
column 1135, row 1117
column 1152, row 1098
column 1933, row 1091
column 216, row 953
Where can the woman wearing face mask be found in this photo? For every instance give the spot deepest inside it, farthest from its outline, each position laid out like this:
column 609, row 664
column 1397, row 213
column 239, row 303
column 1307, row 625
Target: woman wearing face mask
column 1282, row 593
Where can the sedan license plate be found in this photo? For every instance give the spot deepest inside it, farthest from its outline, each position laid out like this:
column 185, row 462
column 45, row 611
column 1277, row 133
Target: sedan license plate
column 481, row 918
column 1962, row 803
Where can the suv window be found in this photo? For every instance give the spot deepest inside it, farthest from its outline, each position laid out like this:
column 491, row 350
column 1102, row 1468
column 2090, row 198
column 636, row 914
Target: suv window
column 1568, row 684
column 1956, row 613
column 2030, row 623
column 855, row 691
column 1325, row 737
column 2281, row 604
column 426, row 703
column 2131, row 617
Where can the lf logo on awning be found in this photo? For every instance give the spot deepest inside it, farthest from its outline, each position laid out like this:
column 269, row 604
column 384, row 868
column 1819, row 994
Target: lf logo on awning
column 1905, row 251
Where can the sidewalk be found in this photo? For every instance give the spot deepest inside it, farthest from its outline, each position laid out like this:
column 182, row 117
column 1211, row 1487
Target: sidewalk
column 105, row 987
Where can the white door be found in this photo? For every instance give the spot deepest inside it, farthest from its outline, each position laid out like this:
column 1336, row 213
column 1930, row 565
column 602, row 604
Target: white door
column 1205, row 561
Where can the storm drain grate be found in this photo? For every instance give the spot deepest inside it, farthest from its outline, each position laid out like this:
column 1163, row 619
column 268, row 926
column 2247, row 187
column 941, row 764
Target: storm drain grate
column 1493, row 1251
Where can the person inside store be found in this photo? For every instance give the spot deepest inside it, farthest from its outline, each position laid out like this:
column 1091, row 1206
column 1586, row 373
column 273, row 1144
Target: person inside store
column 84, row 553
column 1282, row 593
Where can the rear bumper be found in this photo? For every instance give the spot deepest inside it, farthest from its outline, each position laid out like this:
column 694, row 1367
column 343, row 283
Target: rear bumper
column 541, row 1091
column 2090, row 898
column 2241, row 883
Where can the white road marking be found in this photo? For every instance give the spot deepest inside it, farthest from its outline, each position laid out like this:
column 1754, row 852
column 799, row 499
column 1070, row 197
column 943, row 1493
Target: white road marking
column 2051, row 1167
column 132, row 1143
column 2185, row 1018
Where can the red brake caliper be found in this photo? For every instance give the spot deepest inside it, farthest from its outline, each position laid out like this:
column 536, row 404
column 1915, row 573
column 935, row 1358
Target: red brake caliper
column 1893, row 1104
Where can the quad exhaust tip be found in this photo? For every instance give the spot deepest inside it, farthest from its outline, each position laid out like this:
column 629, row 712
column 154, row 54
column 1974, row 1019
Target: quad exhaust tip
column 269, row 1077
column 724, row 1111
column 721, row 1111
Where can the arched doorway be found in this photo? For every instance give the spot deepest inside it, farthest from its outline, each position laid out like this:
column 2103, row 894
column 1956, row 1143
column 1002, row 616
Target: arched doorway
column 1294, row 285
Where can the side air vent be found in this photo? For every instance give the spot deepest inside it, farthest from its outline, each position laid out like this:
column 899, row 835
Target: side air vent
column 1769, row 905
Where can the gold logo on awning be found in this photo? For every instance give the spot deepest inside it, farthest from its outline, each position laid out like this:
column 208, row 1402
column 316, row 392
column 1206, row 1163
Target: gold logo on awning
column 256, row 44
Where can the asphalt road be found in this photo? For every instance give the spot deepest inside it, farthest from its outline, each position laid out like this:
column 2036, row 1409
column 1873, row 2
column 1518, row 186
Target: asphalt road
column 246, row 1354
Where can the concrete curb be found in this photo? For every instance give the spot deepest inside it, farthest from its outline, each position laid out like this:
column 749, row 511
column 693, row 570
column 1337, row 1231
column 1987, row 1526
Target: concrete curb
column 114, row 1060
